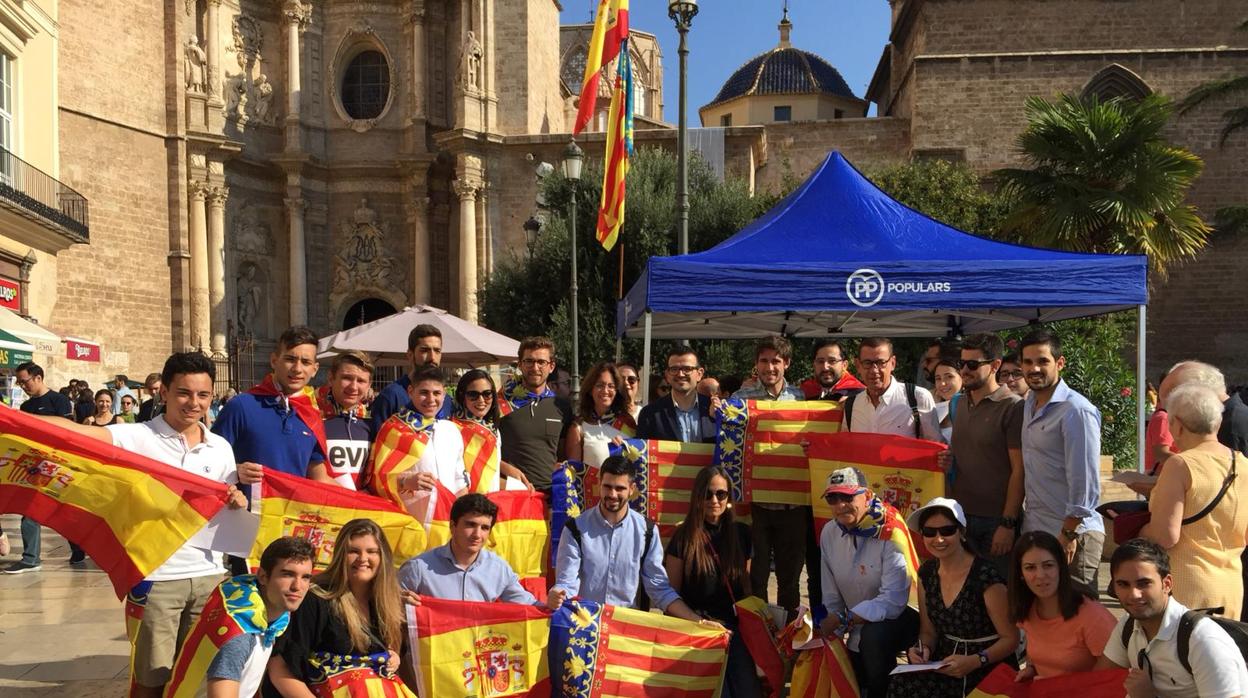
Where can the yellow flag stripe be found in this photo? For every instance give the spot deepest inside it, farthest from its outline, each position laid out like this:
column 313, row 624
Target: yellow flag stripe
column 631, row 645
column 789, row 426
column 642, row 677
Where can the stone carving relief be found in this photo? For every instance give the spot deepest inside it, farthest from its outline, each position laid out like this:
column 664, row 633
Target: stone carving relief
column 363, row 261
column 252, row 312
column 249, row 92
column 251, row 234
column 248, row 39
column 196, row 60
column 470, row 64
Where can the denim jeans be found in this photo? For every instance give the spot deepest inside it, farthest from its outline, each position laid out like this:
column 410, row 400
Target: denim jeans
column 32, row 536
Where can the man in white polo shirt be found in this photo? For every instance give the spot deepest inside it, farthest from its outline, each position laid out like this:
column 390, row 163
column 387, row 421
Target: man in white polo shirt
column 1148, row 640
column 178, row 438
column 888, row 406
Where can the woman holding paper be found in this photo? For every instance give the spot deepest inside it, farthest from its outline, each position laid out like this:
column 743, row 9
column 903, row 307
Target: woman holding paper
column 1066, row 631
column 964, row 619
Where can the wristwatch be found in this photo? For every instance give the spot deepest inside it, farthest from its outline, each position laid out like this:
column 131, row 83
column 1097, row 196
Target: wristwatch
column 983, row 657
column 1010, row 522
column 1070, row 533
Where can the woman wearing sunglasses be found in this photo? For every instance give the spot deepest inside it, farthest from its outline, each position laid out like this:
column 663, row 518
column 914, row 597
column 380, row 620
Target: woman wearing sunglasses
column 1066, row 631
column 708, row 563
column 964, row 616
column 476, row 415
column 602, row 415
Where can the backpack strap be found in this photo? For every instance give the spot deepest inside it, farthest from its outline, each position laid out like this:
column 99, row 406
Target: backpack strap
column 914, row 409
column 1226, row 484
column 1186, row 625
column 1127, row 629
column 645, row 552
column 849, row 411
column 571, row 527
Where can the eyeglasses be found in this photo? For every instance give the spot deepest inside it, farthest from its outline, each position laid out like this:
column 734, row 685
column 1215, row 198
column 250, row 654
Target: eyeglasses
column 631, row 380
column 681, row 369
column 1009, row 375
column 944, row 531
column 604, row 386
column 835, row 498
column 875, row 363
column 532, row 363
column 479, row 394
column 721, row 495
column 973, row 364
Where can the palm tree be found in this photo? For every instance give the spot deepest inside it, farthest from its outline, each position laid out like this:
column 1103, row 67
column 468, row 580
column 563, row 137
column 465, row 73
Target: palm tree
column 1103, row 179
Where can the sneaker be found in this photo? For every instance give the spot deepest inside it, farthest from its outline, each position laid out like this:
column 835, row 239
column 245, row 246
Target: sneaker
column 77, row 557
column 20, row 567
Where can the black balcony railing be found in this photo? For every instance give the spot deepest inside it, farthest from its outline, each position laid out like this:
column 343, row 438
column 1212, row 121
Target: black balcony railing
column 37, row 191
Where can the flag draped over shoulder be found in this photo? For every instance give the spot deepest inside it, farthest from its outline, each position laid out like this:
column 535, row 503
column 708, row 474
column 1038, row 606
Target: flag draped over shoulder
column 610, row 29
column 303, row 403
column 760, row 445
column 234, row 608
column 999, row 683
column 619, row 149
column 295, row 506
column 469, row 648
column 598, row 651
column 397, row 448
column 482, row 457
column 128, row 512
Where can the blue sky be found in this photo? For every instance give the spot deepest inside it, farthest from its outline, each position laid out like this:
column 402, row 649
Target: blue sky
column 849, row 34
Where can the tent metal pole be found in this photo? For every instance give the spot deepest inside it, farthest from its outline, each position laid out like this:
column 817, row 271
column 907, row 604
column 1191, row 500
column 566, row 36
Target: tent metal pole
column 1141, row 384
column 645, row 359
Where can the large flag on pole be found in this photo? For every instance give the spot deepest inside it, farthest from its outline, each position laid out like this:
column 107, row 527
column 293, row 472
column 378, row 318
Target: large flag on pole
column 610, row 30
column 619, row 148
column 128, row 512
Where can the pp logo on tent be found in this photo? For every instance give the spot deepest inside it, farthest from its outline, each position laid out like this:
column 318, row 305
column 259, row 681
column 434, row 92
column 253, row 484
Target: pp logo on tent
column 865, row 288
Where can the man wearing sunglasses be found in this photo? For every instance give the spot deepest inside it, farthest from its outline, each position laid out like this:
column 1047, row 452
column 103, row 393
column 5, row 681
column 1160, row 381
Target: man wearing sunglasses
column 684, row 415
column 984, row 462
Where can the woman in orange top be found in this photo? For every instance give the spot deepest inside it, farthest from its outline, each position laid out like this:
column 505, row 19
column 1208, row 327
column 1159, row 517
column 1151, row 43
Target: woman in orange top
column 1066, row 631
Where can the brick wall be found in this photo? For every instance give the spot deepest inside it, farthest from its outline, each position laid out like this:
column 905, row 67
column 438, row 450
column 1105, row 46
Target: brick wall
column 797, row 148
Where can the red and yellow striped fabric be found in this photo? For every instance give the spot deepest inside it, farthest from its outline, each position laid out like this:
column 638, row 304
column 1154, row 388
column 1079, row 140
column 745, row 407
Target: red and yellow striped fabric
column 295, row 506
column 760, row 630
column 481, row 456
column 128, row 512
column 468, row 648
column 234, row 608
column 521, row 536
column 397, row 448
column 666, row 470
column 824, row 672
column 999, row 683
column 769, row 435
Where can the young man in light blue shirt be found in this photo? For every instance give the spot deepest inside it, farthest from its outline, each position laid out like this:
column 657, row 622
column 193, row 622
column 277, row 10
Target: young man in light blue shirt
column 606, row 552
column 1061, row 459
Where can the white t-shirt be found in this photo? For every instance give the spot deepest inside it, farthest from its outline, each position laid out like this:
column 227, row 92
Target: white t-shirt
column 1217, row 666
column 444, row 456
column 212, row 459
column 893, row 415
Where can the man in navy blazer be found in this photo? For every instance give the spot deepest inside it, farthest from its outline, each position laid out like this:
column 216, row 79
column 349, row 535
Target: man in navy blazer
column 684, row 415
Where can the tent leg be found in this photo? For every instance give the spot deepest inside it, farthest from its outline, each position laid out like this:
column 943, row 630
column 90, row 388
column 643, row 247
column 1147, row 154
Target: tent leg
column 1141, row 386
column 645, row 361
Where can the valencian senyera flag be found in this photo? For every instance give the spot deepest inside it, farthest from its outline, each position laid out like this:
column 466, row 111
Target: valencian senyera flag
column 295, row 506
column 824, row 671
column 469, row 648
column 1000, row 683
column 482, row 457
column 128, row 512
column 605, row 43
column 760, row 444
column 598, row 651
column 619, row 150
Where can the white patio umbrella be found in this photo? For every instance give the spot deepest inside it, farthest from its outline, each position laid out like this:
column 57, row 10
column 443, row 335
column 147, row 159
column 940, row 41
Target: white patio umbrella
column 463, row 343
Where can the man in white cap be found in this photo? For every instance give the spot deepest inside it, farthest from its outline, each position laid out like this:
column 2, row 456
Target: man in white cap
column 865, row 580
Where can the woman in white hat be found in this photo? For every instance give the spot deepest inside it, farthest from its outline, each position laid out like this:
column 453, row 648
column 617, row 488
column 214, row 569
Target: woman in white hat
column 964, row 617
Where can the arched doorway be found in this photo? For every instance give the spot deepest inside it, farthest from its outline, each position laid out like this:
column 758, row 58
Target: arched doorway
column 366, row 311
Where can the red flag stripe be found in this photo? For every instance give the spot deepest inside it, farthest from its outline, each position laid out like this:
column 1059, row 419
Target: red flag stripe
column 665, row 637
column 612, row 688
column 661, row 665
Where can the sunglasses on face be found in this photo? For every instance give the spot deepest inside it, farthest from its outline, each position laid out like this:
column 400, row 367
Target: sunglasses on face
column 837, row 498
column 973, row 364
column 1009, row 375
column 479, row 394
column 631, row 380
column 943, row 531
column 721, row 495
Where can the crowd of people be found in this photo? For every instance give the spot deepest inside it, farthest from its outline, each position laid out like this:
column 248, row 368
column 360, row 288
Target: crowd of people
column 1013, row 549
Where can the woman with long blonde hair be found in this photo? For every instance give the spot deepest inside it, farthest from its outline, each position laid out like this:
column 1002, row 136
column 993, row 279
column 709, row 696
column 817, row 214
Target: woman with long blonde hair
column 352, row 621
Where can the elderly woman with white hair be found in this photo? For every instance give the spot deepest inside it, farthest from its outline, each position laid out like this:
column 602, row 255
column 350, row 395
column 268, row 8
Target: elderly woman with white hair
column 1199, row 507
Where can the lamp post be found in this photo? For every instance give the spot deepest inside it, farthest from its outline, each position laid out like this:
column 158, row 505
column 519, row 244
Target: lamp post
column 572, row 157
column 682, row 12
column 531, row 228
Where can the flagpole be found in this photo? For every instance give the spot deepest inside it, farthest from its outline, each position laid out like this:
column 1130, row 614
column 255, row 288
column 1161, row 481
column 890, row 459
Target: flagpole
column 619, row 296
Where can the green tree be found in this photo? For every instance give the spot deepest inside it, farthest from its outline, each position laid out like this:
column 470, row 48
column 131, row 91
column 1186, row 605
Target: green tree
column 949, row 192
column 1102, row 178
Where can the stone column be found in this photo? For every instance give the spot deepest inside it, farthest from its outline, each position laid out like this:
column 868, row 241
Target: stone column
column 418, row 60
column 216, row 269
column 199, row 266
column 296, row 15
column 419, row 221
column 298, row 265
column 213, row 49
column 467, row 191
column 483, row 233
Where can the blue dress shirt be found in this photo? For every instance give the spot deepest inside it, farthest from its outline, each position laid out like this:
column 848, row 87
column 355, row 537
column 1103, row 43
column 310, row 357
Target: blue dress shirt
column 1061, row 461
column 489, row 578
column 607, row 564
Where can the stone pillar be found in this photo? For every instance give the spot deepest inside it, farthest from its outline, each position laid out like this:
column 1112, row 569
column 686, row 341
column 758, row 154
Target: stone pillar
column 296, row 16
column 213, row 49
column 418, row 60
column 298, row 264
column 419, row 222
column 216, row 269
column 483, row 233
column 199, row 267
column 467, row 191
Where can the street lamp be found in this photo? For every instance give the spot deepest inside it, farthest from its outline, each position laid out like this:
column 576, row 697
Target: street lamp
column 531, row 228
column 572, row 157
column 682, row 12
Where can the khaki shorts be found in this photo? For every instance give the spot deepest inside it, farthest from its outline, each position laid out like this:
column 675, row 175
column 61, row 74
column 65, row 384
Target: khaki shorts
column 172, row 609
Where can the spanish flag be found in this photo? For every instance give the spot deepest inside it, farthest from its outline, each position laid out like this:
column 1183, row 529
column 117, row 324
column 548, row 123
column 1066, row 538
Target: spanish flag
column 598, row 651
column 760, row 627
column 234, row 608
column 481, row 455
column 619, row 149
column 128, row 512
column 824, row 672
column 521, row 536
column 468, row 648
column 1000, row 683
column 760, row 444
column 610, row 30
column 295, row 506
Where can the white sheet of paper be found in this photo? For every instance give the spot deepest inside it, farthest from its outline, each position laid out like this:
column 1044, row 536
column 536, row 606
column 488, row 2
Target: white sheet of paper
column 512, row 484
column 914, row 668
column 1128, row 477
column 231, row 531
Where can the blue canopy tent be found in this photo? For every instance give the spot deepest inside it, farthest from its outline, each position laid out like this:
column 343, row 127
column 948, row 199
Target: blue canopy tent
column 840, row 258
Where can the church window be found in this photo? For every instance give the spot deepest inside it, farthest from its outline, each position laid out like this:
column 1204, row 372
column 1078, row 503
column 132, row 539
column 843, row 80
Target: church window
column 784, row 113
column 366, row 85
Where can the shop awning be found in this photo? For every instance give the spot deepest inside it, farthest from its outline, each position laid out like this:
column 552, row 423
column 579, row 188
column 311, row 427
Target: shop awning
column 13, row 351
column 44, row 342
